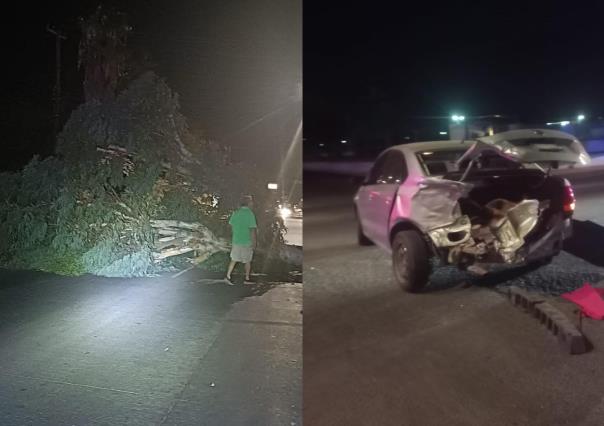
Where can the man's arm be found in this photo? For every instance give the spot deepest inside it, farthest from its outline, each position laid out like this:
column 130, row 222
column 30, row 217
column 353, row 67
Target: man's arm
column 253, row 230
column 253, row 235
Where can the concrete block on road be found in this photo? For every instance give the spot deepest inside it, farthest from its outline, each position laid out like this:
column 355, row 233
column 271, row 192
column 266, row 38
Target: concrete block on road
column 549, row 316
column 523, row 299
column 570, row 338
column 573, row 340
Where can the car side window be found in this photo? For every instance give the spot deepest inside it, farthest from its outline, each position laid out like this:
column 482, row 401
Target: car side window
column 376, row 171
column 394, row 168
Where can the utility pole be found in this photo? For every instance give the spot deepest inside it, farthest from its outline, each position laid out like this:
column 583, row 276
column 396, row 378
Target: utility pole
column 57, row 89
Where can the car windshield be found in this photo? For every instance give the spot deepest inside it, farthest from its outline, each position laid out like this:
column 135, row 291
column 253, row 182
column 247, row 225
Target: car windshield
column 444, row 161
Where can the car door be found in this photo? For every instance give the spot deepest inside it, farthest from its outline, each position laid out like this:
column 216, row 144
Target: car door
column 365, row 198
column 377, row 195
column 393, row 174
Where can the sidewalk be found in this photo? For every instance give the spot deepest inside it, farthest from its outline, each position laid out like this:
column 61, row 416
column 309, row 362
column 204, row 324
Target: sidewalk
column 252, row 373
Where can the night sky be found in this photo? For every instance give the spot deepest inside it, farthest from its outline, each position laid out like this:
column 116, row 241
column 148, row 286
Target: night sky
column 537, row 62
column 231, row 62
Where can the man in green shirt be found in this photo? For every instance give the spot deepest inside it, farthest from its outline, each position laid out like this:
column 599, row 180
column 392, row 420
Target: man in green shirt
column 243, row 226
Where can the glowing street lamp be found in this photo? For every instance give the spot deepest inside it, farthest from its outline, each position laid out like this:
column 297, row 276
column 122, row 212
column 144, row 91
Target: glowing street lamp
column 580, row 118
column 458, row 119
column 285, row 211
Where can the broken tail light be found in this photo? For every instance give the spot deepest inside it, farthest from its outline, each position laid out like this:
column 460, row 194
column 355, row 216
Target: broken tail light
column 568, row 203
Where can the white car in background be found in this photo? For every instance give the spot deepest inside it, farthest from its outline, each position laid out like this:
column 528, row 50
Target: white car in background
column 469, row 203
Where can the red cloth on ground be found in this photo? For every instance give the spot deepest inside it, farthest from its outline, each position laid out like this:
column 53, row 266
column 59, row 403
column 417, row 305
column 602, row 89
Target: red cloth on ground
column 589, row 299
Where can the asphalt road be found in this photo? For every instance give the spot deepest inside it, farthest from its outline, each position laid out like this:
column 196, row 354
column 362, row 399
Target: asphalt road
column 458, row 354
column 156, row 351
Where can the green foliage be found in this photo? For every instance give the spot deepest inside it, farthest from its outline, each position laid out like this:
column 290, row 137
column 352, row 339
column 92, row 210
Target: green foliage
column 27, row 211
column 144, row 119
column 62, row 262
column 178, row 204
column 110, row 260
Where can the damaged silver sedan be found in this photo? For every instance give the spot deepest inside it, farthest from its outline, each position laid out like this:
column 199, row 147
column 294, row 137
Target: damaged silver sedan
column 469, row 203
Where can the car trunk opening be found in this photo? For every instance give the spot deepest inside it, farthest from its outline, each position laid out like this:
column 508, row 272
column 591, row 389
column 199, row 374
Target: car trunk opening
column 508, row 211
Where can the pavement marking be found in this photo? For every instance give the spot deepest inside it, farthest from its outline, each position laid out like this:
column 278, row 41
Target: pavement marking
column 40, row 379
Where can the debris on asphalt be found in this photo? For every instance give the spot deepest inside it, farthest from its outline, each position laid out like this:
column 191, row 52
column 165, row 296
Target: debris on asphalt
column 212, row 385
column 567, row 273
column 166, row 350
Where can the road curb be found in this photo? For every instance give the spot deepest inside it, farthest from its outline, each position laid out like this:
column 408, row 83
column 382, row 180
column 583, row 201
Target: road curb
column 570, row 338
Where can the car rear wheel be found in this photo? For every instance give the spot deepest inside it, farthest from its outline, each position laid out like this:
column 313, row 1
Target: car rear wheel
column 410, row 260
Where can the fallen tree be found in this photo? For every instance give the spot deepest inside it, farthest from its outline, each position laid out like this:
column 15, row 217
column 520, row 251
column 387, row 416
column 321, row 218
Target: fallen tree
column 130, row 188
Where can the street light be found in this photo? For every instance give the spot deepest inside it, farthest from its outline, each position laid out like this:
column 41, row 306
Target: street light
column 564, row 123
column 343, row 141
column 580, row 117
column 457, row 119
column 285, row 212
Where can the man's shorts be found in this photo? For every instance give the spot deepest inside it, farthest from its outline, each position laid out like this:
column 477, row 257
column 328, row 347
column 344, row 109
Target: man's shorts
column 241, row 253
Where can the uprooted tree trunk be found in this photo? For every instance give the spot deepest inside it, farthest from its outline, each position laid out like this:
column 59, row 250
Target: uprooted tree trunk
column 174, row 237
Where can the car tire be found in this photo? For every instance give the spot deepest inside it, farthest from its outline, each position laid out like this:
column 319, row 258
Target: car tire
column 410, row 260
column 361, row 238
